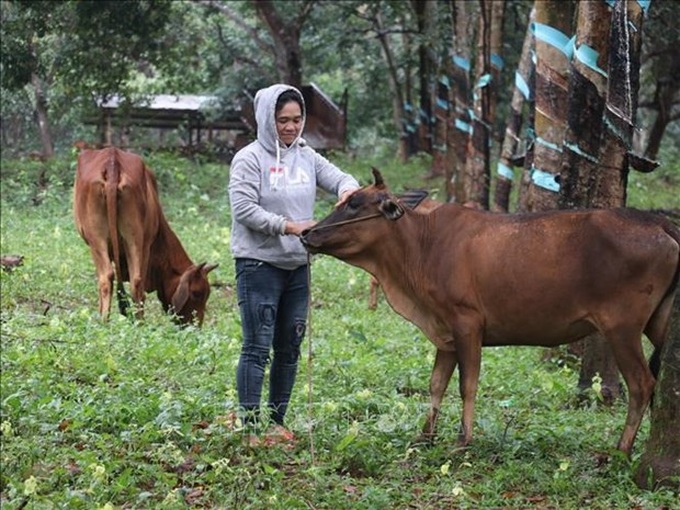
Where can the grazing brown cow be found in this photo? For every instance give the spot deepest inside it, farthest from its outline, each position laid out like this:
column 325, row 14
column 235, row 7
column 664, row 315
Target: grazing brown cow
column 118, row 214
column 470, row 278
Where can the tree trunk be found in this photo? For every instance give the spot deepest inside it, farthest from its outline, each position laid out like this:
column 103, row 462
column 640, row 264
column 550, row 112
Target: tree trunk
column 476, row 175
column 42, row 117
column 622, row 97
column 459, row 116
column 664, row 97
column 580, row 157
column 286, row 36
column 553, row 24
column 478, row 164
column 426, row 70
column 587, row 92
column 660, row 461
column 440, row 107
column 399, row 113
column 440, row 130
column 511, row 141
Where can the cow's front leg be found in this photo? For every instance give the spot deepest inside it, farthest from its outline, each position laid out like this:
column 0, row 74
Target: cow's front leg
column 444, row 365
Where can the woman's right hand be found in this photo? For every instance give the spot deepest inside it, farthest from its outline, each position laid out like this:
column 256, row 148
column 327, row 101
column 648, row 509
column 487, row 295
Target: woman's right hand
column 293, row 228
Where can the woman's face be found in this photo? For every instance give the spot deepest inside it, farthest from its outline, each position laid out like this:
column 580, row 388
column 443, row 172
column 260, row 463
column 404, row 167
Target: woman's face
column 289, row 122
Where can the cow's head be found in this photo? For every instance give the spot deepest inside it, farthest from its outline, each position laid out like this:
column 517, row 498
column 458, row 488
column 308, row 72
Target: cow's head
column 191, row 295
column 355, row 223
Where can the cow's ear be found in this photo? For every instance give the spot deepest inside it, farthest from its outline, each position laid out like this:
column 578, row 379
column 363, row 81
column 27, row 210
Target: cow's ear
column 377, row 177
column 391, row 209
column 181, row 295
column 412, row 198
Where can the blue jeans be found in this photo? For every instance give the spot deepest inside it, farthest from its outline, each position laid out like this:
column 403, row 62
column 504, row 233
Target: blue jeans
column 273, row 305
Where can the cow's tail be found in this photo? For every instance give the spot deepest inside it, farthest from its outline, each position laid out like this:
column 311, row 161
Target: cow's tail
column 112, row 178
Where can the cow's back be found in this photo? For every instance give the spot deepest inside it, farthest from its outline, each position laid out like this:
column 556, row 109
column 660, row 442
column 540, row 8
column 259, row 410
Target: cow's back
column 137, row 198
column 529, row 271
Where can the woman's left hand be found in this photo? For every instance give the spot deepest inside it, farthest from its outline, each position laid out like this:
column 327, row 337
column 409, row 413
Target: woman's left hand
column 343, row 198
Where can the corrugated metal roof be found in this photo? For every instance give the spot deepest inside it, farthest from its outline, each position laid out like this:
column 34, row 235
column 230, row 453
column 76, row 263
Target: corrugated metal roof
column 167, row 102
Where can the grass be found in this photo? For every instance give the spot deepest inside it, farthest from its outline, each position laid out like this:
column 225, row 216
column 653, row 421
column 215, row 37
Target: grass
column 139, row 415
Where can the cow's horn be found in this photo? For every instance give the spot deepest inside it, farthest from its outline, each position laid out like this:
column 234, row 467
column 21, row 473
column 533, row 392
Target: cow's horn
column 206, row 268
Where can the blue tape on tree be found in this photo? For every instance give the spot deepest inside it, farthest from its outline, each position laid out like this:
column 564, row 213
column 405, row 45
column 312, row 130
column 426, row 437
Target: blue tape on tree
column 463, row 126
column 645, row 5
column 588, row 56
column 497, row 61
column 483, row 81
column 443, row 104
column 575, row 148
column 444, row 80
column 461, row 62
column 522, row 86
column 544, row 180
column 505, row 171
column 549, row 145
column 553, row 37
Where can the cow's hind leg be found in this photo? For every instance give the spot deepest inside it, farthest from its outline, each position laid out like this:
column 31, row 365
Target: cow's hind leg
column 469, row 364
column 137, row 259
column 627, row 348
column 104, row 270
column 444, row 365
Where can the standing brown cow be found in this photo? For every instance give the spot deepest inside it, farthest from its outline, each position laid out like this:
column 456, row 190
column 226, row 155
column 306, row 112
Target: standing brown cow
column 118, row 214
column 471, row 278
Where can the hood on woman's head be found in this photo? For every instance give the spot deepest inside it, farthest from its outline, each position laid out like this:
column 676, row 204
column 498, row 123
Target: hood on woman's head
column 265, row 113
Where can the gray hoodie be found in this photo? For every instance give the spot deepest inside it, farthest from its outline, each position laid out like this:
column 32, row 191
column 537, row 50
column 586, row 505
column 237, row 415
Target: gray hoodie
column 270, row 183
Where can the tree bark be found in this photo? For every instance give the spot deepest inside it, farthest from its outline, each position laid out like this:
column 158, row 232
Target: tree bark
column 459, row 116
column 622, row 97
column 42, row 117
column 425, row 10
column 478, row 164
column 587, row 92
column 399, row 113
column 580, row 161
column 665, row 95
column 511, row 141
column 553, row 26
column 476, row 175
column 286, row 36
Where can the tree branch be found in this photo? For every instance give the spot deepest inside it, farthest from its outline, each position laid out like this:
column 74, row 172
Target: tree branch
column 238, row 19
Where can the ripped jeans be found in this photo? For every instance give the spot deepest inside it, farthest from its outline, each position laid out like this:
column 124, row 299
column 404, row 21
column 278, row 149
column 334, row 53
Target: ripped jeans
column 273, row 305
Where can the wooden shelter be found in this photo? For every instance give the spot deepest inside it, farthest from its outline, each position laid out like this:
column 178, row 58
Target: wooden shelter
column 205, row 120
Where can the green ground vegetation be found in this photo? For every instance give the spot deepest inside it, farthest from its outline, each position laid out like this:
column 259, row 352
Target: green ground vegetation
column 141, row 415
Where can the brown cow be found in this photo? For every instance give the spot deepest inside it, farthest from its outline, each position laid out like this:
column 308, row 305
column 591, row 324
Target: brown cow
column 471, row 278
column 118, row 214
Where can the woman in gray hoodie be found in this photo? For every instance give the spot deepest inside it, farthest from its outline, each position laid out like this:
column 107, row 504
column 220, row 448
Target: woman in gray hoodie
column 272, row 189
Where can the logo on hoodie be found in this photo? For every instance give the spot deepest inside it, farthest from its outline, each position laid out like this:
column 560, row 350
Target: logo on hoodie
column 283, row 176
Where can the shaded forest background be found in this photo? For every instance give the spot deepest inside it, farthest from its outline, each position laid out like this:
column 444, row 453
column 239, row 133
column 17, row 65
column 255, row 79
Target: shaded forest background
column 60, row 58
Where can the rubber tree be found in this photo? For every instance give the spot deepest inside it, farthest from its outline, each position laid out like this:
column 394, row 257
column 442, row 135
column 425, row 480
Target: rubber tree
column 552, row 30
column 465, row 14
column 522, row 94
column 580, row 165
column 488, row 66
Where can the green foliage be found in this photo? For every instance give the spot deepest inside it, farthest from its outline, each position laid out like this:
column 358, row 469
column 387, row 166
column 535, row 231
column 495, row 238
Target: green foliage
column 140, row 415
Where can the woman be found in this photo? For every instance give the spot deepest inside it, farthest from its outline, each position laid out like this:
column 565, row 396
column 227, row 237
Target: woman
column 272, row 188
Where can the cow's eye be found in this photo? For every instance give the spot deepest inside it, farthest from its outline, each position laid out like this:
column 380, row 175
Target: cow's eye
column 354, row 202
